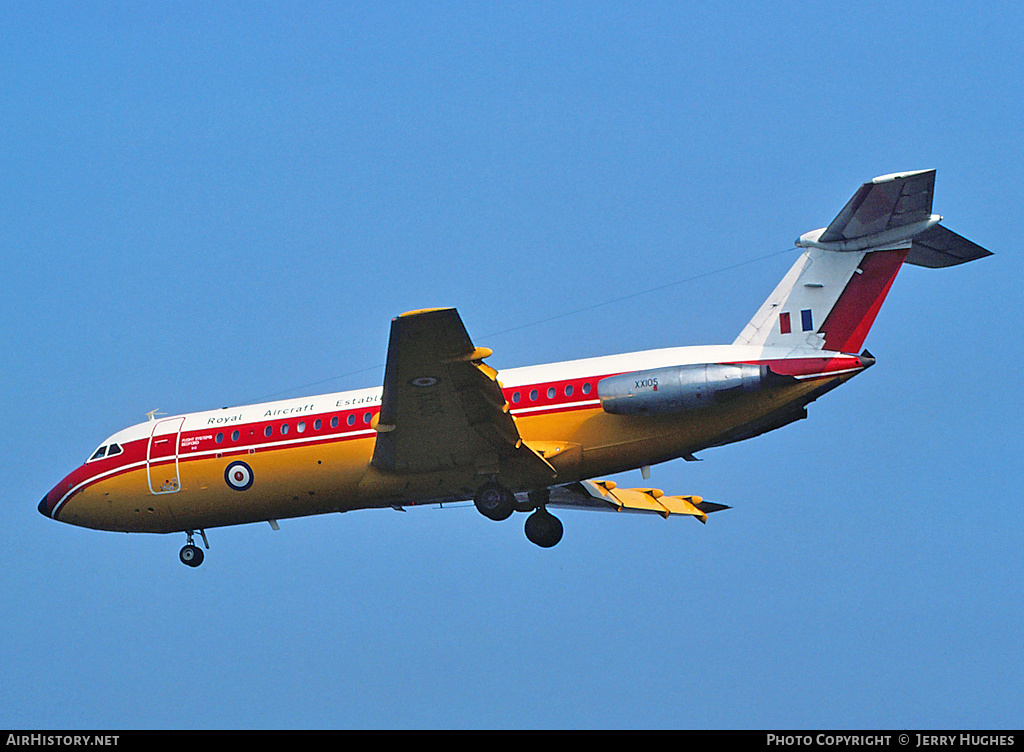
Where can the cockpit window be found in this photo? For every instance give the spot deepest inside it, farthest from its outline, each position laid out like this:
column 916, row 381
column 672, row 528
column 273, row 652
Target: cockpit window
column 106, row 451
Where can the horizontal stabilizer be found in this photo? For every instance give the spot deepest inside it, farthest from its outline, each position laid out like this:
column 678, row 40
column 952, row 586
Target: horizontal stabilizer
column 895, row 211
column 903, row 198
column 938, row 247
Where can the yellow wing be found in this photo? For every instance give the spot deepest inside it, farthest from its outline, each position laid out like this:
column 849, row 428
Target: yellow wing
column 605, row 494
column 443, row 408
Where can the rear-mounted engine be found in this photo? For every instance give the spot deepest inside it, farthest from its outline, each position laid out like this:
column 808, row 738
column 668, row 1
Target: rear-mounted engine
column 679, row 388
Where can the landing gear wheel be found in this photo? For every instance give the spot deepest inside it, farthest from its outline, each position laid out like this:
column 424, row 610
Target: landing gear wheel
column 543, row 528
column 191, row 555
column 494, row 502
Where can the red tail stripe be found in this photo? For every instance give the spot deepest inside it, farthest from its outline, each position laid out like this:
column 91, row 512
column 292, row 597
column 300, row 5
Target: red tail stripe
column 848, row 322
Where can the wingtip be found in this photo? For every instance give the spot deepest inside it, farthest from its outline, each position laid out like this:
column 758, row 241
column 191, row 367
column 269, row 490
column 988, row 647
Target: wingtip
column 709, row 506
column 420, row 311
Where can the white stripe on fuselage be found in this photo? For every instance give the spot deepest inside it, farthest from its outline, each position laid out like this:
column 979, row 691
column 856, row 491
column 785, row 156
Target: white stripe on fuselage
column 310, row 407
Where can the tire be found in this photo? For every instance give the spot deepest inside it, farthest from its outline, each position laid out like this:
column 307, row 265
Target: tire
column 494, row 502
column 191, row 556
column 543, row 529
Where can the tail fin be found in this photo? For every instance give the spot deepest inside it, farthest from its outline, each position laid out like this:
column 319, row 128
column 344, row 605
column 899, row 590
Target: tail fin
column 830, row 297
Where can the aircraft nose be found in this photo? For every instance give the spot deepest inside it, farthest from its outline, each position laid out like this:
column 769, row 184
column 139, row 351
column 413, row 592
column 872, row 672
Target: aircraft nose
column 48, row 503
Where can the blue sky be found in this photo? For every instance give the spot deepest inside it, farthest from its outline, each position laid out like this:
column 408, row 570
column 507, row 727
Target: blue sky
column 204, row 204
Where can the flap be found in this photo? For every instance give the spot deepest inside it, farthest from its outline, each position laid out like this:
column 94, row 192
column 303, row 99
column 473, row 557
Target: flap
column 598, row 494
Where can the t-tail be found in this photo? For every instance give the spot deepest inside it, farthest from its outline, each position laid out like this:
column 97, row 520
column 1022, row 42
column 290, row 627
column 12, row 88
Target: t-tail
column 831, row 295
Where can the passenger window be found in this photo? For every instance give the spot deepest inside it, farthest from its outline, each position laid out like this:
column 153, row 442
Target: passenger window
column 317, row 424
column 219, row 438
column 234, row 435
column 284, row 428
column 551, row 392
column 367, row 417
column 351, row 420
column 334, row 422
column 516, row 397
column 568, row 390
column 301, row 426
column 268, row 430
column 586, row 388
column 533, row 395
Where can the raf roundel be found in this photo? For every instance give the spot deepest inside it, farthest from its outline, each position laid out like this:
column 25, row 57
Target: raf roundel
column 238, row 476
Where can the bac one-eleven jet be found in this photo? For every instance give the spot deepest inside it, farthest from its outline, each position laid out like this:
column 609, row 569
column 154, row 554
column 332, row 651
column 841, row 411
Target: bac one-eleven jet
column 445, row 426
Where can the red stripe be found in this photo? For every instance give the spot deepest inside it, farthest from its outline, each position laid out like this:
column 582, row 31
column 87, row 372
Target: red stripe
column 848, row 322
column 251, row 434
column 808, row 366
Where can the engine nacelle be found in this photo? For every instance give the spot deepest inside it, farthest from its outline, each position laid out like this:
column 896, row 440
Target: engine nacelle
column 659, row 391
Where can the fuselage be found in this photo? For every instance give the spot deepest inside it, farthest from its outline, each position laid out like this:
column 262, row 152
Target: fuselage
column 312, row 455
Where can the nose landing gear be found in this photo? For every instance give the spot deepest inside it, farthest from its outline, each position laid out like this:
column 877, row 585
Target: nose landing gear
column 191, row 555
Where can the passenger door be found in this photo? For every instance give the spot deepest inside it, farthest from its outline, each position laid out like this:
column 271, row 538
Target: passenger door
column 162, row 456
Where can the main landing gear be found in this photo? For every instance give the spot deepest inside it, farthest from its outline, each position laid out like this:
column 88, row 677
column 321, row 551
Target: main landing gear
column 543, row 528
column 192, row 555
column 495, row 502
